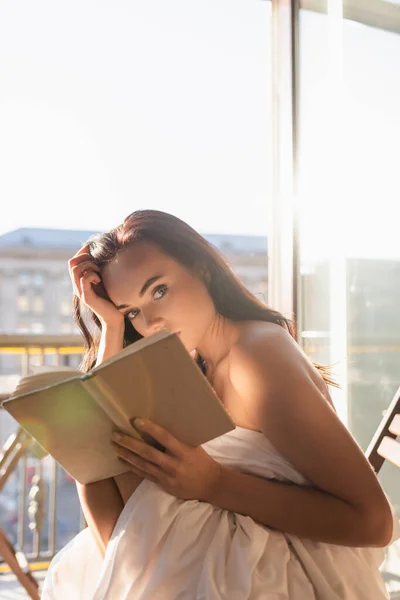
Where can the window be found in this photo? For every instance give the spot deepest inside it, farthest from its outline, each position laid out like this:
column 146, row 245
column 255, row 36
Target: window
column 37, row 327
column 348, row 192
column 38, row 279
column 67, row 328
column 23, row 303
column 23, row 327
column 66, row 307
column 24, row 278
column 37, row 304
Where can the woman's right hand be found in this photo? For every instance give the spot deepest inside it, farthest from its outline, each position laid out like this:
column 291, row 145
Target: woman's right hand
column 85, row 275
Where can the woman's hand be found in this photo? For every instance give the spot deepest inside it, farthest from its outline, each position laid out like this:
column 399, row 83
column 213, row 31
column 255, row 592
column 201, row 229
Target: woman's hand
column 85, row 276
column 185, row 472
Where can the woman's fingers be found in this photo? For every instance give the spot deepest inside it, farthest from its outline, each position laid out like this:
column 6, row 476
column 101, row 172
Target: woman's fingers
column 83, row 269
column 161, row 435
column 140, row 454
column 143, row 474
column 143, row 465
column 86, row 281
column 87, row 285
column 183, row 471
column 80, row 262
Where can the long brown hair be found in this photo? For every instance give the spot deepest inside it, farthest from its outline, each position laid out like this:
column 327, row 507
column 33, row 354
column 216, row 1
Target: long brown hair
column 231, row 298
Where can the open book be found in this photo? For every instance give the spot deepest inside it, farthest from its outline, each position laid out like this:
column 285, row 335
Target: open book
column 73, row 414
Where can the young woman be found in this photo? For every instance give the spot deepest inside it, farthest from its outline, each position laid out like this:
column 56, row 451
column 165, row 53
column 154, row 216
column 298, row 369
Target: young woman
column 284, row 507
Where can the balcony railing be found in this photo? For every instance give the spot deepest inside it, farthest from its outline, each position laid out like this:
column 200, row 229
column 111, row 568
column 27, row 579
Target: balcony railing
column 39, row 508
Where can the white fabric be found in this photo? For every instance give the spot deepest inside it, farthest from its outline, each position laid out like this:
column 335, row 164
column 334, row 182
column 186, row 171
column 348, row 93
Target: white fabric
column 164, row 548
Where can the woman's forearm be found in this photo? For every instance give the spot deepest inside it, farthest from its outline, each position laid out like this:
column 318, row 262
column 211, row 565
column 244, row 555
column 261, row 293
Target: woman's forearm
column 101, row 505
column 111, row 342
column 101, row 501
column 302, row 511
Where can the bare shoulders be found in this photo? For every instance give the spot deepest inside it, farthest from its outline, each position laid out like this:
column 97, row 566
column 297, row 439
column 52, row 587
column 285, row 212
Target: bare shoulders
column 270, row 347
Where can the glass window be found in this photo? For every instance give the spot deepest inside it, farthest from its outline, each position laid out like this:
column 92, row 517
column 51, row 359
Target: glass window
column 37, row 327
column 37, row 304
column 67, row 328
column 66, row 307
column 348, row 192
column 38, row 279
column 25, row 278
column 23, row 303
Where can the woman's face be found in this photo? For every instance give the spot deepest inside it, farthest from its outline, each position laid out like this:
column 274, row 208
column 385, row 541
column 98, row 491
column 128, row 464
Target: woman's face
column 155, row 291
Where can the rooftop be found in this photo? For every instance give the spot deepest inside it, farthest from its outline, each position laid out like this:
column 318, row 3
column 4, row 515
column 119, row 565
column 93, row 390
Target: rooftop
column 74, row 238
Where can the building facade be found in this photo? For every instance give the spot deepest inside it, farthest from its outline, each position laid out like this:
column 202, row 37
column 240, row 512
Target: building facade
column 35, row 287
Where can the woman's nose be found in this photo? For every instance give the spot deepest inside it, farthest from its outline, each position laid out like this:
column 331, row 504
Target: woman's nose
column 152, row 325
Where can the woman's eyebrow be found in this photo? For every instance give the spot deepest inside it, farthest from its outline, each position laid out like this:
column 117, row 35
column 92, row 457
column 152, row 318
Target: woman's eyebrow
column 144, row 289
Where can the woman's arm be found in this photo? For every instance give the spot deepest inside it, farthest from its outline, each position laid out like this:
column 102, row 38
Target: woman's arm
column 348, row 507
column 102, row 501
column 111, row 342
column 101, row 504
column 304, row 512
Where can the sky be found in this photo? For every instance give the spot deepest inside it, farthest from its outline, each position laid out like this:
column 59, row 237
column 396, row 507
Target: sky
column 107, row 107
column 349, row 138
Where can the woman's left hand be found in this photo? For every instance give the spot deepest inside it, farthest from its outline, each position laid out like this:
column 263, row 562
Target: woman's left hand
column 183, row 471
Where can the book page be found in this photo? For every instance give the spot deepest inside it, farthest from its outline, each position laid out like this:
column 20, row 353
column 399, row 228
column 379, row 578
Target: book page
column 36, row 369
column 162, row 382
column 135, row 347
column 104, row 398
column 32, row 383
column 67, row 422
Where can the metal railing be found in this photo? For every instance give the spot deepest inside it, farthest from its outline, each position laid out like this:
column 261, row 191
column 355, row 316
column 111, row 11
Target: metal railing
column 39, row 508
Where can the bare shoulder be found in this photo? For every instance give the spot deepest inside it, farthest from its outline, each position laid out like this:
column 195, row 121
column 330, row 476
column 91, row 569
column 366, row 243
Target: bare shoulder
column 282, row 389
column 265, row 355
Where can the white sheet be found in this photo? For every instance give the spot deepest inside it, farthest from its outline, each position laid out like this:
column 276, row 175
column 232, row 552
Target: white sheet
column 164, row 548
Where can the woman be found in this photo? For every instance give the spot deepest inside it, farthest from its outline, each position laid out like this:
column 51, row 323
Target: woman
column 284, row 507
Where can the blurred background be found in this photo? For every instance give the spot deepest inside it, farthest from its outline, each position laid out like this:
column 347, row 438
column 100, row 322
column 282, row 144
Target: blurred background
column 271, row 127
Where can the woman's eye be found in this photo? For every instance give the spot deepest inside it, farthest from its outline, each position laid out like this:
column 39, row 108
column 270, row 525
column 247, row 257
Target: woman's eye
column 161, row 290
column 131, row 314
column 158, row 293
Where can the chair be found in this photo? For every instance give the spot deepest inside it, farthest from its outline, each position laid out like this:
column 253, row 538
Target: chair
column 14, row 448
column 385, row 446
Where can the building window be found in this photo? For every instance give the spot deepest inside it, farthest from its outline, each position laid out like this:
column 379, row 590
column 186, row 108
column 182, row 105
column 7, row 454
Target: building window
column 66, row 308
column 67, row 328
column 37, row 328
column 23, row 303
column 22, row 327
column 38, row 279
column 37, row 305
column 31, row 279
column 24, row 278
